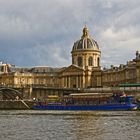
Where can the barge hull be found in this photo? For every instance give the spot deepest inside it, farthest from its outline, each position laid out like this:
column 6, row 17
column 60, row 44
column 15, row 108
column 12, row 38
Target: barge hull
column 84, row 107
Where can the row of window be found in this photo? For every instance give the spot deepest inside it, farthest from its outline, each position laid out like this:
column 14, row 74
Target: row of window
column 90, row 61
column 119, row 76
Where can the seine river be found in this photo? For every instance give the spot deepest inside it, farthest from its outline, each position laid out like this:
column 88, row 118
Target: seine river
column 69, row 125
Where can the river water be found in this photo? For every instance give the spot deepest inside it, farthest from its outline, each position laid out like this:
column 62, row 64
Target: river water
column 69, row 125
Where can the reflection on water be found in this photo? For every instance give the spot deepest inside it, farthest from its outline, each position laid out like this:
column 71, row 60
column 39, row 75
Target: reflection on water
column 69, row 125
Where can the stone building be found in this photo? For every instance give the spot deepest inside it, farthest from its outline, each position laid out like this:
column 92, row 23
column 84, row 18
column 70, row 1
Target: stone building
column 129, row 73
column 84, row 72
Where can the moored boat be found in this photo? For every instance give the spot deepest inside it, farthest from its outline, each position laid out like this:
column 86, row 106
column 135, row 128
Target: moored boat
column 88, row 101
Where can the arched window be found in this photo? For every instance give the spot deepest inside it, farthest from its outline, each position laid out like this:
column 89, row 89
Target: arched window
column 80, row 61
column 90, row 61
column 98, row 61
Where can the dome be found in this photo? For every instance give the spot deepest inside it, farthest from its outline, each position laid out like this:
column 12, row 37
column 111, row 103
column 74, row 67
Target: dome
column 86, row 42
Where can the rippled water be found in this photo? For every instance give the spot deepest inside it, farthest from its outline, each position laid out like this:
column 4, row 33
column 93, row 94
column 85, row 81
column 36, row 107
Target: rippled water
column 69, row 125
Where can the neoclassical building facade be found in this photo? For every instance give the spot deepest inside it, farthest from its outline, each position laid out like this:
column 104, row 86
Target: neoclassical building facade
column 85, row 64
column 84, row 72
column 124, row 74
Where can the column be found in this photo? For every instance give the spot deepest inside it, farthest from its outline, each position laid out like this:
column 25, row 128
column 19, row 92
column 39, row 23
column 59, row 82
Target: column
column 83, row 83
column 80, row 82
column 68, row 81
column 76, row 81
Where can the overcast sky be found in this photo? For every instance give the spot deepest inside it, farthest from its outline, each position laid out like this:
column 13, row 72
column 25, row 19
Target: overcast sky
column 42, row 32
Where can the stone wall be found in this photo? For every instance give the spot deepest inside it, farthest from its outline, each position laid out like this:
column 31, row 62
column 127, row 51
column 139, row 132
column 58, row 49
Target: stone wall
column 16, row 104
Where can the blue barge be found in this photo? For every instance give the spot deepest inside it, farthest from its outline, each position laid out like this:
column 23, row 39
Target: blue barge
column 88, row 101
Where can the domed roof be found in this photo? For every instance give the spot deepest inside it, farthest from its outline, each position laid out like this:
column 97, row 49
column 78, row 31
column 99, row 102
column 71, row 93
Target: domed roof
column 86, row 42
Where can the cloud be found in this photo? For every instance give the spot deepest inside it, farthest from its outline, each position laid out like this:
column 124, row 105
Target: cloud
column 51, row 55
column 34, row 32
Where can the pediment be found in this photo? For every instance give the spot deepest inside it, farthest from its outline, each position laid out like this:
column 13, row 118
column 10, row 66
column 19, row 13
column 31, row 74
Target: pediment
column 72, row 68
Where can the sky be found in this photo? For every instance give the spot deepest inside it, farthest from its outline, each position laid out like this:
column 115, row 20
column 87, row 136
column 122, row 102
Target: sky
column 42, row 32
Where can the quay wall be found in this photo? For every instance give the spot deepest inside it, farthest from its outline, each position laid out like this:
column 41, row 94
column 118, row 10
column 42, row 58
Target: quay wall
column 41, row 93
column 13, row 104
